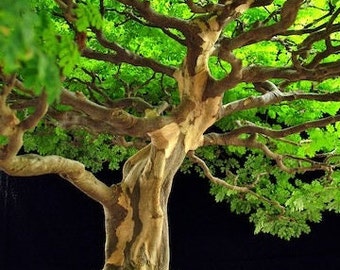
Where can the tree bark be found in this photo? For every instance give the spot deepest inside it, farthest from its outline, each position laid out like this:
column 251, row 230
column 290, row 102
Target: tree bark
column 137, row 221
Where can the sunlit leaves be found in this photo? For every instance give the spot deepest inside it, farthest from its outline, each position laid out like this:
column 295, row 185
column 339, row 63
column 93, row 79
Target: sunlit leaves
column 286, row 227
column 3, row 140
column 68, row 55
column 22, row 49
column 16, row 38
column 88, row 15
column 92, row 151
column 44, row 50
column 175, row 8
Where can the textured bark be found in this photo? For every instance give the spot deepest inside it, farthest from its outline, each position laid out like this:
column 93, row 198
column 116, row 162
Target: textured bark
column 136, row 221
column 136, row 209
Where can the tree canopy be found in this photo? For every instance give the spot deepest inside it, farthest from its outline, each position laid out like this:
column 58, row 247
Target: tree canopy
column 91, row 83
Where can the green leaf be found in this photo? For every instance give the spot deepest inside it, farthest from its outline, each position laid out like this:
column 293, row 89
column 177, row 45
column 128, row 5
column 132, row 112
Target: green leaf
column 3, row 140
column 88, row 15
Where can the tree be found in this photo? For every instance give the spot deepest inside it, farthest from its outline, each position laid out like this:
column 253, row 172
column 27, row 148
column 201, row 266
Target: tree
column 247, row 90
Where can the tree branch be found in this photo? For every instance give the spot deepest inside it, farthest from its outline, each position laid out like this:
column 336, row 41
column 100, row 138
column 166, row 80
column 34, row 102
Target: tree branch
column 202, row 9
column 120, row 122
column 274, row 97
column 232, row 79
column 288, row 15
column 40, row 110
column 162, row 21
column 253, row 129
column 259, row 74
column 10, row 125
column 220, row 182
column 251, row 142
column 73, row 171
column 166, row 31
column 122, row 55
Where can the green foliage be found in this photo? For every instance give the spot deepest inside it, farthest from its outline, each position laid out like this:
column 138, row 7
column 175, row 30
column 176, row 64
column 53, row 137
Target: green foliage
column 88, row 15
column 278, row 203
column 92, row 151
column 41, row 47
column 3, row 140
column 22, row 50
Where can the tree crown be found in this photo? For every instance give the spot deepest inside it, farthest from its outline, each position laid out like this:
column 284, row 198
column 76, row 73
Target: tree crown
column 91, row 80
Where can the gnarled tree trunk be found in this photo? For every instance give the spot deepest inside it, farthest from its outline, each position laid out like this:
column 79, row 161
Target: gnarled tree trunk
column 137, row 223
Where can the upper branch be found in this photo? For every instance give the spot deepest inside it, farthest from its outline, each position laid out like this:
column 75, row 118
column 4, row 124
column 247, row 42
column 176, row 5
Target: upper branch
column 321, row 72
column 122, row 55
column 144, row 9
column 202, row 9
column 288, row 15
column 227, row 45
column 274, row 97
column 251, row 128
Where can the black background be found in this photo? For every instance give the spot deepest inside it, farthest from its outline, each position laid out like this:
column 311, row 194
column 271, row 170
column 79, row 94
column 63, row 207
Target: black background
column 47, row 224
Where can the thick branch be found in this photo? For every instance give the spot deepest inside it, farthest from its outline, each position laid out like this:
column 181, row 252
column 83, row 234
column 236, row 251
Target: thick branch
column 73, row 171
column 121, row 122
column 72, row 119
column 10, row 125
column 232, row 79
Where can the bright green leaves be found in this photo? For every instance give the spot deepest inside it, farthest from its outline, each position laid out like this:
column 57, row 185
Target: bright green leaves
column 59, row 44
column 309, row 199
column 334, row 191
column 3, row 140
column 284, row 226
column 22, row 49
column 174, row 8
column 335, row 2
column 88, row 15
column 322, row 140
column 68, row 55
column 277, row 202
column 17, row 22
column 39, row 49
column 92, row 151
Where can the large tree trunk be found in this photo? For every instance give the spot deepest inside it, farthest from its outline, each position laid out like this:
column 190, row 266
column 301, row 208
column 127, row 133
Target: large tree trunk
column 137, row 222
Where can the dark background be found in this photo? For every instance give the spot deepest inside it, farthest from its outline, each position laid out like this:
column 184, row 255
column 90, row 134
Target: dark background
column 47, row 224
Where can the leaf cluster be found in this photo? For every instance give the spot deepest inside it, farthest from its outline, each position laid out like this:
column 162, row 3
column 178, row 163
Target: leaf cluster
column 93, row 151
